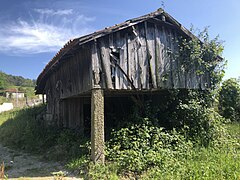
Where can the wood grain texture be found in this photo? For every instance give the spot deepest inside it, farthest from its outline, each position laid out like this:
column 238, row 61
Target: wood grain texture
column 142, row 57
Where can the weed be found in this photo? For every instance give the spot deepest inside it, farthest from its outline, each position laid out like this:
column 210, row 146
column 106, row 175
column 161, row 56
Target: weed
column 59, row 175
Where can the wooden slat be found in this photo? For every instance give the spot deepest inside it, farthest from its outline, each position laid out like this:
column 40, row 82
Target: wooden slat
column 160, row 55
column 105, row 58
column 132, row 60
column 151, row 45
column 95, row 67
column 143, row 60
column 118, row 44
column 124, row 62
column 168, row 59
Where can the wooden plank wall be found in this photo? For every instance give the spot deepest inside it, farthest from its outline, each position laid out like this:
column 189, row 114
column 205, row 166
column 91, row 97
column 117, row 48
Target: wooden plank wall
column 71, row 79
column 73, row 114
column 143, row 57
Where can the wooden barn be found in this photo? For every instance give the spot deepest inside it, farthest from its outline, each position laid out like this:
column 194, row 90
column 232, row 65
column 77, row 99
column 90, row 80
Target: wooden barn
column 137, row 56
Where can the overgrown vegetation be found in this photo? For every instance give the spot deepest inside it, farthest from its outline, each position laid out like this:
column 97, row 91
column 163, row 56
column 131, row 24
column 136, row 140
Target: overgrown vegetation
column 143, row 150
column 229, row 99
column 204, row 56
column 22, row 129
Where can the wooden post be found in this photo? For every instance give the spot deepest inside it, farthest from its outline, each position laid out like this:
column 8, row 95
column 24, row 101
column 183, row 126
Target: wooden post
column 97, row 126
column 81, row 118
column 43, row 99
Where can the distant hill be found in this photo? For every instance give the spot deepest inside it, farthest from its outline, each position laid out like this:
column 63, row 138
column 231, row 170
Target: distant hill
column 7, row 80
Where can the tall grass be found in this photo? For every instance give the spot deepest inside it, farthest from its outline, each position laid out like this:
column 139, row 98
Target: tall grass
column 21, row 129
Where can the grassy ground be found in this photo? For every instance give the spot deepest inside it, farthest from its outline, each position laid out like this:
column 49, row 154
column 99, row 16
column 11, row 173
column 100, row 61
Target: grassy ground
column 219, row 162
column 32, row 148
column 20, row 130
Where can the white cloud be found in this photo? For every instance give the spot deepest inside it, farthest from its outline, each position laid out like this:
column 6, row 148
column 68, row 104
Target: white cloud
column 54, row 12
column 42, row 34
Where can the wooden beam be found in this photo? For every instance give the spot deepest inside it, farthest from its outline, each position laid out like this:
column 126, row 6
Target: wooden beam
column 105, row 59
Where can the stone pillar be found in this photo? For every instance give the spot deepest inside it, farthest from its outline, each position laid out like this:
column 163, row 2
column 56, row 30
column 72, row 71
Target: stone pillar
column 97, row 126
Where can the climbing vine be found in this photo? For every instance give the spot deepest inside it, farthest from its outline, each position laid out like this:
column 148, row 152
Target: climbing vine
column 204, row 55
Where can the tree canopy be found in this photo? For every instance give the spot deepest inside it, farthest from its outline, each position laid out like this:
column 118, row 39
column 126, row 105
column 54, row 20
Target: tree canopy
column 7, row 80
column 229, row 99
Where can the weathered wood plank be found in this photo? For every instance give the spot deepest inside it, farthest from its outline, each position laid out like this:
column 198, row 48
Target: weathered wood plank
column 95, row 67
column 151, row 45
column 106, row 64
column 151, row 50
column 168, row 61
column 143, row 60
column 160, row 55
column 118, row 43
column 132, row 60
column 124, row 62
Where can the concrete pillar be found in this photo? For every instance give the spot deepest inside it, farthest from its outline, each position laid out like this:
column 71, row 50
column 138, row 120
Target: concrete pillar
column 97, row 126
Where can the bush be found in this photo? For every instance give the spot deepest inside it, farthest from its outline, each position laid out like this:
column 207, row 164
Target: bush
column 199, row 124
column 229, row 100
column 139, row 147
column 145, row 143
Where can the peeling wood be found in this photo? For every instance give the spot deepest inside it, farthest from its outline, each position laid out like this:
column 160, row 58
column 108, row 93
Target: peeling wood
column 151, row 45
column 143, row 60
column 124, row 62
column 95, row 66
column 105, row 56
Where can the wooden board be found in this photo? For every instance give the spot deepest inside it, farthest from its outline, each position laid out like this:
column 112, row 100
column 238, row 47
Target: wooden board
column 143, row 59
column 106, row 64
column 151, row 48
column 132, row 60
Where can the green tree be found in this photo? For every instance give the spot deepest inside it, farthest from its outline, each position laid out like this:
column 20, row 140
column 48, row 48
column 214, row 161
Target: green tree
column 3, row 83
column 229, row 99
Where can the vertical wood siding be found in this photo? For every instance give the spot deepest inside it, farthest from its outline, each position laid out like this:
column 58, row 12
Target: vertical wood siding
column 142, row 57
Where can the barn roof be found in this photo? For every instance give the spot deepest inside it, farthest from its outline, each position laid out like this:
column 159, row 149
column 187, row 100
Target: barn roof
column 71, row 45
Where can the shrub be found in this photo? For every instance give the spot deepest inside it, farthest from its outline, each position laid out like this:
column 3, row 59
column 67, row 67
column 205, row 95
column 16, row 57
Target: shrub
column 199, row 124
column 141, row 146
column 229, row 99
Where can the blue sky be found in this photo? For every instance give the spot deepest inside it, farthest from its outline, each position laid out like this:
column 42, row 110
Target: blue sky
column 32, row 31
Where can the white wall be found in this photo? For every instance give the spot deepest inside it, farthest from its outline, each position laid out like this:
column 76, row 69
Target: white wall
column 15, row 95
column 6, row 107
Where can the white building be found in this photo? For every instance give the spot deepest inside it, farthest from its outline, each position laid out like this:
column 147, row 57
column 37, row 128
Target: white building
column 14, row 94
column 6, row 107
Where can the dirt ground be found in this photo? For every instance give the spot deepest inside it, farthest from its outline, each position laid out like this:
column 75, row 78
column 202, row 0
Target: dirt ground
column 23, row 166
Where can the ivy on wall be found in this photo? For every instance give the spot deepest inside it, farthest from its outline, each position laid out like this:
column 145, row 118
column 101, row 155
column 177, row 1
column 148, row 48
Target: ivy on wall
column 203, row 54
